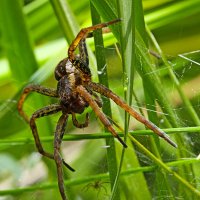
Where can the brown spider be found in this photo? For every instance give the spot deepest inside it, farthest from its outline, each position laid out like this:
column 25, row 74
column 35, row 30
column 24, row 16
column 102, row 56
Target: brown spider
column 97, row 185
column 76, row 91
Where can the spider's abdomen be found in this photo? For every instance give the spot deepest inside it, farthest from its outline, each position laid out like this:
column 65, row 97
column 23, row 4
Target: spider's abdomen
column 71, row 101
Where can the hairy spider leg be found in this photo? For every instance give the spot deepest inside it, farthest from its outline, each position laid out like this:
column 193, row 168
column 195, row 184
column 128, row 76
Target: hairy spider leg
column 81, row 62
column 83, row 52
column 60, row 130
column 114, row 123
column 97, row 185
column 83, row 34
column 45, row 91
column 109, row 94
column 97, row 99
column 104, row 31
column 48, row 110
column 77, row 124
column 33, row 88
column 88, row 97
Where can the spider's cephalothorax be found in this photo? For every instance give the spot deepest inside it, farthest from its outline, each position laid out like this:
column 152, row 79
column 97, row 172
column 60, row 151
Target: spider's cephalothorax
column 69, row 77
column 76, row 91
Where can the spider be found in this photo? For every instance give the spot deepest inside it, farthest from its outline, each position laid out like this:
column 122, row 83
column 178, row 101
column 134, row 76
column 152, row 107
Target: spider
column 76, row 91
column 97, row 185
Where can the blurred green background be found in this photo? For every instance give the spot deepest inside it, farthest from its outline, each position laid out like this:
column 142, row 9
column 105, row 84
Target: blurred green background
column 162, row 82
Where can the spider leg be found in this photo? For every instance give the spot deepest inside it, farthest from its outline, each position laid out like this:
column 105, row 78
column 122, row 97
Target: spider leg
column 98, row 99
column 83, row 34
column 33, row 88
column 83, row 52
column 104, row 30
column 81, row 62
column 88, row 97
column 109, row 94
column 114, row 123
column 48, row 110
column 77, row 124
column 60, row 130
column 83, row 59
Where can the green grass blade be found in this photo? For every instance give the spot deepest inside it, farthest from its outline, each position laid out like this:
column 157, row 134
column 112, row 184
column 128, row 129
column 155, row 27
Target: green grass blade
column 16, row 41
column 127, row 47
column 94, row 136
column 103, row 79
column 175, row 11
column 66, row 19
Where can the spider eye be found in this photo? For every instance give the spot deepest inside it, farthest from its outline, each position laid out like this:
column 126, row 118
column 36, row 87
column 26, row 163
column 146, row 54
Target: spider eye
column 63, row 68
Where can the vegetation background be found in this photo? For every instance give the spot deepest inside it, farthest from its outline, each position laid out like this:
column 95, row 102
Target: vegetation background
column 155, row 67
